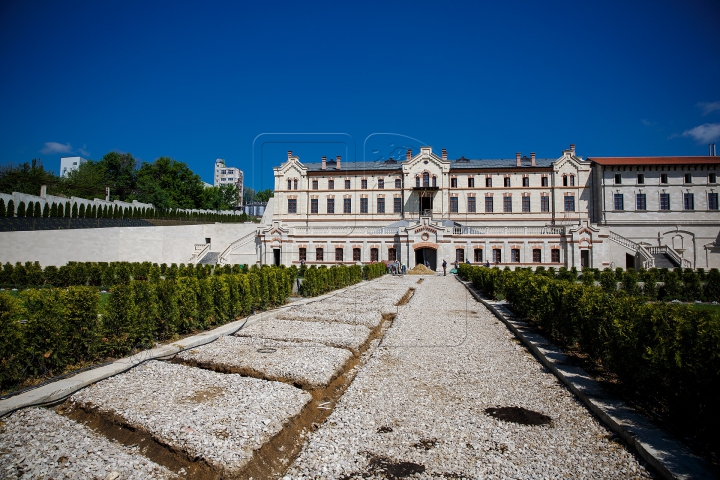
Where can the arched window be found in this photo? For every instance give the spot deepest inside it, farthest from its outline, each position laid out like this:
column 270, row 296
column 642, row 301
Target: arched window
column 295, row 184
column 434, row 181
column 572, row 180
column 565, row 181
column 417, row 181
column 289, row 184
column 426, row 179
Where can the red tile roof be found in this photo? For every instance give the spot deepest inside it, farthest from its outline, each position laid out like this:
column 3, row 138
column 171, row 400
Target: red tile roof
column 656, row 160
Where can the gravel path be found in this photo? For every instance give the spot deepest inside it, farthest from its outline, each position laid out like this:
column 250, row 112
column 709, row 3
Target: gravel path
column 338, row 335
column 311, row 365
column 219, row 418
column 39, row 443
column 419, row 406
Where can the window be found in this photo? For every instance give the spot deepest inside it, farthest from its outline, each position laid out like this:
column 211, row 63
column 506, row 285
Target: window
column 397, row 205
column 289, row 184
column 515, row 255
column 497, row 255
column 426, row 179
column 478, row 255
column 292, row 205
column 373, row 254
column 363, row 205
column 319, row 257
column 398, row 183
column 537, row 255
column 640, row 178
column 526, row 181
column 347, row 205
column 392, row 255
column 618, row 179
column 381, row 183
column 363, row 183
column 712, row 178
column 315, row 184
column 712, row 201
column 572, row 180
column 330, row 205
column 488, row 182
column 544, row 181
column 331, row 184
column 453, row 182
column 417, row 182
column 339, row 254
column 689, row 201
column 565, row 180
column 453, row 204
column 544, row 203
column 663, row 178
column 618, row 204
column 460, row 255
column 223, row 179
column 356, row 254
column 302, row 255
column 471, row 182
column 640, row 202
column 381, row 205
column 295, row 184
column 664, row 201
column 555, row 255
column 526, row 204
column 471, row 205
column 223, row 172
column 507, row 204
column 569, row 203
column 347, row 184
column 434, row 182
column 688, row 178
column 506, row 181
column 489, row 204
column 313, row 205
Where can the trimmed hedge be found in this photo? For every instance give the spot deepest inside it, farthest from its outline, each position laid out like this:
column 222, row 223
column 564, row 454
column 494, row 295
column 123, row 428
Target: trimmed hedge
column 318, row 281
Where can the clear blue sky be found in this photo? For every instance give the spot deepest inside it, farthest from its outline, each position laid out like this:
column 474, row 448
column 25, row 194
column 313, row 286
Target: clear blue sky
column 197, row 81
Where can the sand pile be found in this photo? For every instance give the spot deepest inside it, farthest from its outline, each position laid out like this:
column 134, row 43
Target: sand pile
column 420, row 269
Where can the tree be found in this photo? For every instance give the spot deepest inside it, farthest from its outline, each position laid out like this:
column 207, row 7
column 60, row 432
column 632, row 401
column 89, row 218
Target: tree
column 167, row 183
column 54, row 210
column 11, row 208
column 120, row 174
column 46, row 210
column 87, row 181
column 81, row 211
column 2, row 207
column 37, row 212
column 21, row 209
column 27, row 177
column 224, row 197
column 264, row 195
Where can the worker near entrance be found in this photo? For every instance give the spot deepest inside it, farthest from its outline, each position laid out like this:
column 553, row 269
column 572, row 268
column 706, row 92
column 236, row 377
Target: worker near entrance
column 444, row 264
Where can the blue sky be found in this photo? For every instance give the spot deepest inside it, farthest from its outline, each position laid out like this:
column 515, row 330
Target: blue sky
column 197, row 81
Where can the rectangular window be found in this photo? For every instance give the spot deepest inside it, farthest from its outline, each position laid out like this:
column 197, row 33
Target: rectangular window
column 339, row 254
column 453, row 183
column 664, row 201
column 640, row 202
column 712, row 178
column 618, row 203
column 292, row 205
column 315, row 184
column 302, row 255
column 618, row 179
column 712, row 201
column 223, row 172
column 544, row 181
column 488, row 204
column 373, row 254
column 356, row 254
column 392, row 254
column 640, row 178
column 526, row 204
column 397, row 205
column 289, row 184
column 330, row 205
column 506, row 181
column 688, row 178
column 347, row 184
column 381, row 205
column 515, row 255
column 689, row 201
column 347, row 205
column 663, row 178
column 363, row 183
column 363, row 205
column 537, row 255
column 471, row 204
column 319, row 257
column 295, row 184
column 453, row 204
column 381, row 183
column 313, row 205
column 526, row 181
column 398, row 183
column 478, row 255
column 507, row 204
column 488, row 182
column 471, row 182
column 545, row 203
column 555, row 255
column 569, row 203
column 460, row 255
column 331, row 184
column 497, row 255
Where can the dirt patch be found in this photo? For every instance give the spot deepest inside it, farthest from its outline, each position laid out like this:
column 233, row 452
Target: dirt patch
column 202, row 396
column 384, row 430
column 420, row 280
column 519, row 415
column 425, row 444
column 406, row 298
column 420, row 269
column 385, row 468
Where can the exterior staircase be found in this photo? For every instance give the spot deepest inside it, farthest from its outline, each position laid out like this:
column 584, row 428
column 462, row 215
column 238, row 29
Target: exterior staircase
column 210, row 258
column 663, row 260
column 652, row 257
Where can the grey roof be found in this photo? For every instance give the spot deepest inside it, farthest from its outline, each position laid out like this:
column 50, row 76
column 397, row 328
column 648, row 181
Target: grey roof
column 462, row 164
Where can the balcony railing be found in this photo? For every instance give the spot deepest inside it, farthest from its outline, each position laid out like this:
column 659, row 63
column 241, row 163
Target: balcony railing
column 508, row 230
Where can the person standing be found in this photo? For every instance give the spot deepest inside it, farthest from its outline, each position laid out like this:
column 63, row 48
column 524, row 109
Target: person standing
column 444, row 264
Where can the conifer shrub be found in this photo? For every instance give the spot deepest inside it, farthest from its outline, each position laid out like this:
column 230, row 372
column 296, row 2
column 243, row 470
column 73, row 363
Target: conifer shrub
column 712, row 287
column 84, row 324
column 54, row 210
column 168, row 310
column 220, row 292
column 50, row 274
column 187, row 295
column 81, row 211
column 11, row 208
column 67, row 209
column 37, row 212
column 120, row 321
column 21, row 209
column 3, row 212
column 19, row 274
column 33, row 274
column 145, row 326
column 46, row 331
column 46, row 210
column 12, row 340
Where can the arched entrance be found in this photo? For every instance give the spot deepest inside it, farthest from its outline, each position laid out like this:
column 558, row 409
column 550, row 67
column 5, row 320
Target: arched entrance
column 426, row 251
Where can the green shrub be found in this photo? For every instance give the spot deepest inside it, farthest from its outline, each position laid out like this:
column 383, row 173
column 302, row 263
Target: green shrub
column 34, row 274
column 37, row 212
column 672, row 288
column 3, row 212
column 12, row 340
column 608, row 281
column 11, row 208
column 46, row 331
column 21, row 209
column 84, row 325
column 187, row 295
column 221, row 299
column 120, row 321
column 712, row 287
column 147, row 314
column 19, row 274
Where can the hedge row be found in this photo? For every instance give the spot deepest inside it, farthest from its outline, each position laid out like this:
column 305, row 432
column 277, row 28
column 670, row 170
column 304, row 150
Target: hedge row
column 374, row 270
column 669, row 354
column 318, row 281
column 42, row 331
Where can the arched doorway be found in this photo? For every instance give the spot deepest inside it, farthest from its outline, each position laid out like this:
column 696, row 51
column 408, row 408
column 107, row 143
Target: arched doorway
column 426, row 254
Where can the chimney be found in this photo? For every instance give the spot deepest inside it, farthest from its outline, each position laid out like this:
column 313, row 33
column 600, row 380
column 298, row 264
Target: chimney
column 711, row 150
column 408, row 155
column 324, row 163
column 337, row 165
column 517, row 159
column 572, row 149
column 43, row 191
column 444, row 155
column 289, row 154
column 532, row 159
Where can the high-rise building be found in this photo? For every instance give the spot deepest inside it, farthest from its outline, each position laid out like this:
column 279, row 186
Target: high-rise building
column 225, row 175
column 68, row 164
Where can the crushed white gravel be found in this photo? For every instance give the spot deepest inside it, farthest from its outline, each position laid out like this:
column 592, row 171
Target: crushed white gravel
column 310, row 365
column 321, row 313
column 418, row 406
column 39, row 443
column 215, row 417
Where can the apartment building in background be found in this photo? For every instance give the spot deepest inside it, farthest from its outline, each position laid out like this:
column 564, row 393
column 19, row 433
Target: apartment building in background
column 225, row 175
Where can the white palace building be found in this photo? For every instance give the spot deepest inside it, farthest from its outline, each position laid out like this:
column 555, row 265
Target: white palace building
column 527, row 211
